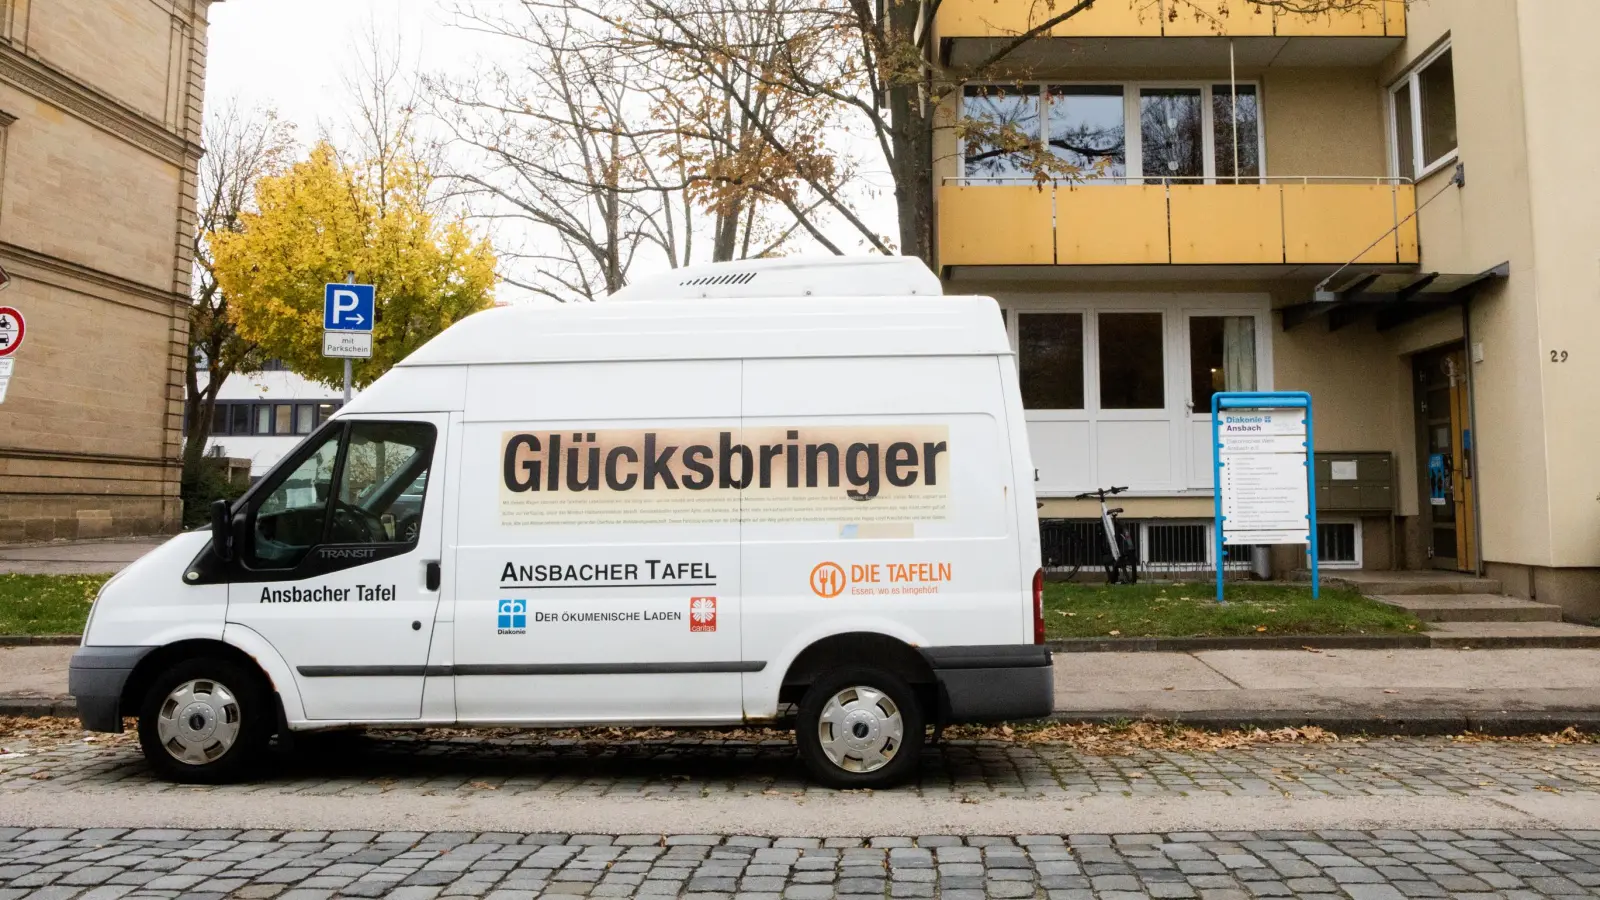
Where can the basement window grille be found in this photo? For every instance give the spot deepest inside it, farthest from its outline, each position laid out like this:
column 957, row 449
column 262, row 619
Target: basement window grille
column 1339, row 544
column 1168, row 550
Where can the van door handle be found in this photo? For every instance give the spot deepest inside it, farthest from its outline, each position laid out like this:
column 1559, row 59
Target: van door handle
column 432, row 575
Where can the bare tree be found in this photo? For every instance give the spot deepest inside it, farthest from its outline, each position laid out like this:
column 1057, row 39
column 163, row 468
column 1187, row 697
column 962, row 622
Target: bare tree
column 605, row 149
column 241, row 147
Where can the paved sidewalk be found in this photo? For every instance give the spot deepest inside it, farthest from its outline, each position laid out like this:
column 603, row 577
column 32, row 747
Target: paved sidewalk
column 75, row 557
column 1421, row 691
column 1439, row 690
column 1378, row 865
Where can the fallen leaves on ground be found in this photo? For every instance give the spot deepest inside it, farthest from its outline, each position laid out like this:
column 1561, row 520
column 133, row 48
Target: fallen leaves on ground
column 19, row 732
column 25, row 736
column 1569, row 735
column 1117, row 739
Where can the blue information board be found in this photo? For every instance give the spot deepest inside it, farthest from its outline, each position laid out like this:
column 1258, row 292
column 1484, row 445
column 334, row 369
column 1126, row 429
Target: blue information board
column 1264, row 474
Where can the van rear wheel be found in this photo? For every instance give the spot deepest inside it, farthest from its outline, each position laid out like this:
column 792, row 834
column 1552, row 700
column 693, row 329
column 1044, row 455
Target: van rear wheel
column 205, row 721
column 860, row 728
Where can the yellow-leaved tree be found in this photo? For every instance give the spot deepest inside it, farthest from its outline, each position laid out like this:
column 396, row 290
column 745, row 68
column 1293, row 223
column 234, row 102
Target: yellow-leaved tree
column 324, row 218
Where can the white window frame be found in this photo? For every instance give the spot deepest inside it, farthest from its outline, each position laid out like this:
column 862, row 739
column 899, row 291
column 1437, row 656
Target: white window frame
column 1412, row 81
column 1176, row 311
column 1359, row 561
column 1133, row 147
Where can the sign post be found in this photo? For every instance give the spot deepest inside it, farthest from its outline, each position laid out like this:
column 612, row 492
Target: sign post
column 1264, row 474
column 348, row 311
column 12, row 331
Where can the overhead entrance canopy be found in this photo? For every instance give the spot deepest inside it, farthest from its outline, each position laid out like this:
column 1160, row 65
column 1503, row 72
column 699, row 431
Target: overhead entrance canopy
column 1393, row 298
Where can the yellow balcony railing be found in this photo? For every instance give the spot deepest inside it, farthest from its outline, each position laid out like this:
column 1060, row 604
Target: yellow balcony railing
column 1276, row 221
column 1166, row 18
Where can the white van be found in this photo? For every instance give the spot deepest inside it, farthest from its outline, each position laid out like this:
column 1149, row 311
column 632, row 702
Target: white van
column 751, row 491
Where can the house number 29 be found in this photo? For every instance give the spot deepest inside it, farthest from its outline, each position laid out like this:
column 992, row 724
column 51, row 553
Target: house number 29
column 1558, row 356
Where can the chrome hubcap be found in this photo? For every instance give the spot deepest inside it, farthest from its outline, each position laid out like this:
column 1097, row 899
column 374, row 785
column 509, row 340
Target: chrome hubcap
column 860, row 729
column 199, row 721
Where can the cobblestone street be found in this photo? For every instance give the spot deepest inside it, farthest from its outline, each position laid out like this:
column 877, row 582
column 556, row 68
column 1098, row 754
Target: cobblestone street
column 397, row 763
column 110, row 863
column 926, row 850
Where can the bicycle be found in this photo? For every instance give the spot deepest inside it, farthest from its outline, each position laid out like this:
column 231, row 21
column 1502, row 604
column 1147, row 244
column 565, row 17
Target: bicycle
column 1120, row 557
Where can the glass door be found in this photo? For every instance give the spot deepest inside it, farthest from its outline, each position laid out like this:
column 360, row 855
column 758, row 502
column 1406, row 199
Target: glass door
column 1222, row 357
column 1447, row 477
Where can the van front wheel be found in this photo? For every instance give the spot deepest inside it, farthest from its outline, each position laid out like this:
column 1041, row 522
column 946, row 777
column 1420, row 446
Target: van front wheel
column 860, row 728
column 205, row 721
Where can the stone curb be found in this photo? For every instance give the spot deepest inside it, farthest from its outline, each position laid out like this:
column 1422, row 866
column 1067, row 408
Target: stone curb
column 38, row 707
column 1241, row 642
column 40, row 640
column 1327, row 642
column 1419, row 722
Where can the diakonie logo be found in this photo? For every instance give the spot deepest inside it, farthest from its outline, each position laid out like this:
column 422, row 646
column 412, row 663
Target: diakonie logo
column 512, row 617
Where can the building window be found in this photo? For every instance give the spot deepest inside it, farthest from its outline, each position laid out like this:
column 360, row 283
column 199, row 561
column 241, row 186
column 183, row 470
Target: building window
column 1172, row 130
column 1422, row 110
column 1117, row 391
column 239, row 418
column 305, row 418
column 1050, row 354
column 1087, row 129
column 1339, row 544
column 1132, row 367
column 1113, row 132
column 1222, row 357
column 1010, row 123
column 263, row 413
column 1246, row 149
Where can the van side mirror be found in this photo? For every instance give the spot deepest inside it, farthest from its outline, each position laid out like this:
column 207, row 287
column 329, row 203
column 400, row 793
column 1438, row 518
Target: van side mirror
column 222, row 530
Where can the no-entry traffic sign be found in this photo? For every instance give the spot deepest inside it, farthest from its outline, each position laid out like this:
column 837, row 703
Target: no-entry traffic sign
column 12, row 329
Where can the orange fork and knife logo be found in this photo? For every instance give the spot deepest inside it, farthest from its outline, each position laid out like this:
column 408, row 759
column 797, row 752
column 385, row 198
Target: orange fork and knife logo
column 828, row 580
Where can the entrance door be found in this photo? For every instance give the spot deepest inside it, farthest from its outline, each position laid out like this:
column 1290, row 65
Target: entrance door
column 1448, row 475
column 337, row 566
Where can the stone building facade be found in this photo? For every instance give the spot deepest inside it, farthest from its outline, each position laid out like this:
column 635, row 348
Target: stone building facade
column 100, row 124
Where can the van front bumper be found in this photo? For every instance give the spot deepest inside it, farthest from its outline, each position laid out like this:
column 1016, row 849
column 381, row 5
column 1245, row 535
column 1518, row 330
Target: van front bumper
column 95, row 680
column 993, row 683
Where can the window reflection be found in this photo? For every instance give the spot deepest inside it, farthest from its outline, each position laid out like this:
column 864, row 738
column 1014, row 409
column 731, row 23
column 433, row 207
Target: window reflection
column 1170, row 128
column 1004, row 121
column 1223, row 104
column 1087, row 129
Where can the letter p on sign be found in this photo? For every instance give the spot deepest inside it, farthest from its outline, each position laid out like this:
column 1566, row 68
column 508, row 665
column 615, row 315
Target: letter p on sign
column 348, row 307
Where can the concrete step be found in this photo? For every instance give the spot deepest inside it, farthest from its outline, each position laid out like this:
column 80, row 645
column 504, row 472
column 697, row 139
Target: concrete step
column 1391, row 584
column 1492, row 635
column 1472, row 608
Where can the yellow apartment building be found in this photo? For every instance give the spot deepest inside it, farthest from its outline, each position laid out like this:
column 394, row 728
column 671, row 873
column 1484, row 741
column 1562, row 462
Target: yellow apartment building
column 99, row 148
column 1395, row 208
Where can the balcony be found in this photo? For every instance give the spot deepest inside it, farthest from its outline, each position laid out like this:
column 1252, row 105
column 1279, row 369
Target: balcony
column 1297, row 223
column 1139, row 33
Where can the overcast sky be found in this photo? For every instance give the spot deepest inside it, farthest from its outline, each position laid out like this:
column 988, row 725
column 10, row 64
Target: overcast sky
column 296, row 56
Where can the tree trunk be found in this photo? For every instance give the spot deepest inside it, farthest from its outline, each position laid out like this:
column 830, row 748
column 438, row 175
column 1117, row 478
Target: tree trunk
column 198, row 408
column 911, row 113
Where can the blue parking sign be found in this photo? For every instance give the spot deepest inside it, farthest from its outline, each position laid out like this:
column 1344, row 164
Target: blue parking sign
column 348, row 307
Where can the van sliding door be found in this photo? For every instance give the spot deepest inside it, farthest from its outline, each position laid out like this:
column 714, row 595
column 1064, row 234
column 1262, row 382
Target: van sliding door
column 598, row 563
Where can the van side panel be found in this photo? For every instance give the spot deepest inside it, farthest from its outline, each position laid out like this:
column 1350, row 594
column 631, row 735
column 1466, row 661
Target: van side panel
column 1026, row 505
column 596, row 579
column 933, row 564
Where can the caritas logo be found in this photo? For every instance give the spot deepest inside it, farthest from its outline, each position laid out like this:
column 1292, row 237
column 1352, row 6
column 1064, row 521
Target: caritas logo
column 702, row 614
